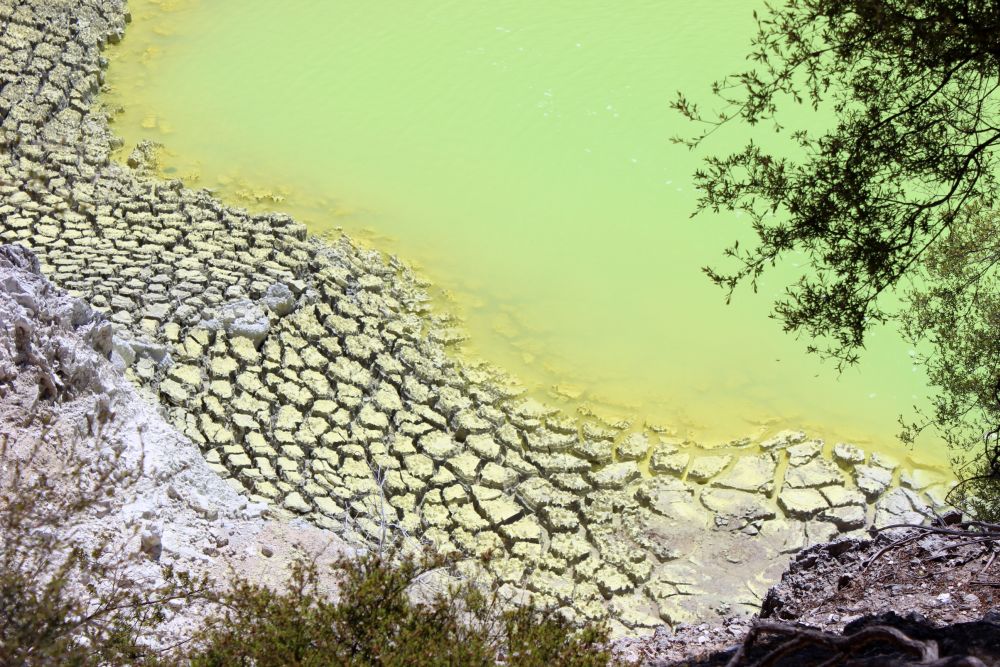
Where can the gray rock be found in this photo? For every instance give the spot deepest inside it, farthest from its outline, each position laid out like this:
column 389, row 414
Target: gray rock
column 883, row 460
column 802, row 503
column 783, row 440
column 132, row 350
column 839, row 496
column 296, row 503
column 595, row 451
column 151, row 541
column 144, row 156
column 784, row 535
column 919, row 479
column 245, row 319
column 815, row 473
column 160, row 354
column 872, row 480
column 750, row 473
column 739, row 505
column 846, row 518
column 663, row 494
column 633, row 447
column 615, row 475
column 804, row 452
column 123, row 349
column 705, row 468
column 669, row 462
column 279, row 299
column 897, row 507
column 848, row 454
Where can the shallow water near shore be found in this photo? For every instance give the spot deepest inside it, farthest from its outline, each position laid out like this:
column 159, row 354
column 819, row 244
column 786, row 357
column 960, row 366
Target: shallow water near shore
column 519, row 154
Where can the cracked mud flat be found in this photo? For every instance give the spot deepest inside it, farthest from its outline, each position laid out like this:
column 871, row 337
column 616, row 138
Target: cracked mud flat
column 314, row 375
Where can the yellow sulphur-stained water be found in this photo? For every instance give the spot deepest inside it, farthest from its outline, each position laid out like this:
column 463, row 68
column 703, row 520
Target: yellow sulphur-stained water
column 519, row 154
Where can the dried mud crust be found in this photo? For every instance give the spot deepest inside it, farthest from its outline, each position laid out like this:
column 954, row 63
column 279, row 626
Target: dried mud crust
column 314, row 376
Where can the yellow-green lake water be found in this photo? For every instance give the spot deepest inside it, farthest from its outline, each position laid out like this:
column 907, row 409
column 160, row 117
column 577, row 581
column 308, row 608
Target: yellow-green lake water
column 518, row 154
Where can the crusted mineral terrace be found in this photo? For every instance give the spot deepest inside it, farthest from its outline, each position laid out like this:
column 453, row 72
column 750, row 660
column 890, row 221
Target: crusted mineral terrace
column 313, row 375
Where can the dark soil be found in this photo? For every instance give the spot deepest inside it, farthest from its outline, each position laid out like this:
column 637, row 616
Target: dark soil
column 853, row 602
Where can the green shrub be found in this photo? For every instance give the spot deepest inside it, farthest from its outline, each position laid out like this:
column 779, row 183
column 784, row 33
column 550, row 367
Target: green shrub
column 373, row 621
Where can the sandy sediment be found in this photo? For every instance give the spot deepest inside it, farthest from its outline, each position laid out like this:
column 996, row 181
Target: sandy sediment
column 314, row 376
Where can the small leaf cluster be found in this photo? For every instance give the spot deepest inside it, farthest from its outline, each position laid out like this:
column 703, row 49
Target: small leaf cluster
column 913, row 91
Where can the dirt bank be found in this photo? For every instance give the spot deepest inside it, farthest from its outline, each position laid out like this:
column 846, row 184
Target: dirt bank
column 940, row 589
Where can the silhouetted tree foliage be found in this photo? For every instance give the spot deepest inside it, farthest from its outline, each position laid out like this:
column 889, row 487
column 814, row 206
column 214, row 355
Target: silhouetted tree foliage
column 957, row 308
column 913, row 88
column 901, row 184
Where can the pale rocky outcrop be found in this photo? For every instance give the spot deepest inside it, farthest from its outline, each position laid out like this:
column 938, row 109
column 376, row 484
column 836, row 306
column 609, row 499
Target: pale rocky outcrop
column 166, row 509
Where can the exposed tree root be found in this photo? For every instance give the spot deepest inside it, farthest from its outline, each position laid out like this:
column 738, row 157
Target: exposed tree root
column 844, row 649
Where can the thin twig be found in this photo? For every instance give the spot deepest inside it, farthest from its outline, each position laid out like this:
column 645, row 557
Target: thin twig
column 941, row 531
column 979, row 540
column 988, row 564
column 893, row 545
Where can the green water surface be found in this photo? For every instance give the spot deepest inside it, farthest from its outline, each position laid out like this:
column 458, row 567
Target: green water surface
column 518, row 153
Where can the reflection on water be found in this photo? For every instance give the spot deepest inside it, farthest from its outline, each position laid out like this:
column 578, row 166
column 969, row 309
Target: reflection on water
column 519, row 153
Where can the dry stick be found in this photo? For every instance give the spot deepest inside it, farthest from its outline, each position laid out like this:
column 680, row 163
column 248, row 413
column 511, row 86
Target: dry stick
column 744, row 647
column 989, row 538
column 990, row 527
column 990, row 562
column 783, row 649
column 832, row 662
column 979, row 537
column 940, row 531
column 889, row 547
column 979, row 580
